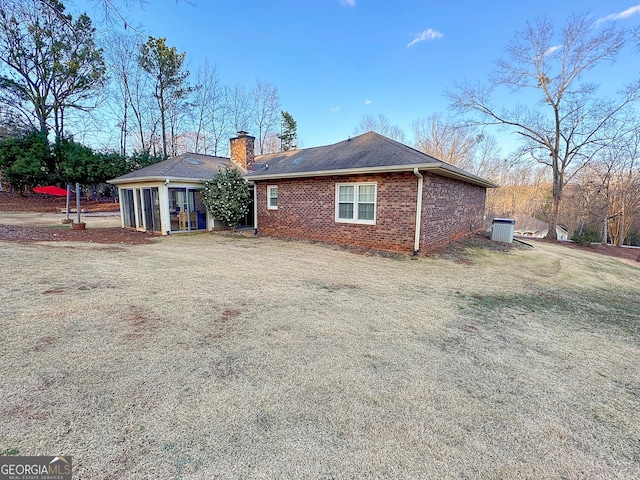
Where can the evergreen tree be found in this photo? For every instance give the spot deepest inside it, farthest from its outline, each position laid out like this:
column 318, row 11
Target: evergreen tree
column 24, row 160
column 289, row 133
column 166, row 66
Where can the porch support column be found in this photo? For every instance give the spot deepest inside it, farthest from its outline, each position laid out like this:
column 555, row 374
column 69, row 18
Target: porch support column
column 120, row 199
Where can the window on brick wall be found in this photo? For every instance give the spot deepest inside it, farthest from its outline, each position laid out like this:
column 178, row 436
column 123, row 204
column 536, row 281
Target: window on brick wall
column 356, row 203
column 272, row 194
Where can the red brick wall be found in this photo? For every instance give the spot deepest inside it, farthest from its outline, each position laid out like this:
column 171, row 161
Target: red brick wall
column 306, row 210
column 450, row 210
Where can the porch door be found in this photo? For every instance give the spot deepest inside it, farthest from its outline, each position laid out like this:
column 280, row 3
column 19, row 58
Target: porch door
column 151, row 200
column 186, row 209
column 247, row 220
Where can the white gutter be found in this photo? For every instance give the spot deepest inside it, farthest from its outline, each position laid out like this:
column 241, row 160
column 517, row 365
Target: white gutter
column 442, row 168
column 163, row 179
column 255, row 209
column 416, row 241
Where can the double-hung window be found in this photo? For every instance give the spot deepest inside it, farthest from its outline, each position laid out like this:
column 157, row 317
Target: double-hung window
column 356, row 203
column 272, row 197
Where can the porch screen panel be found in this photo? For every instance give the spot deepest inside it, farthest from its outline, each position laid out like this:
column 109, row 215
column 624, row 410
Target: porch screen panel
column 140, row 218
column 177, row 208
column 128, row 210
column 200, row 211
column 155, row 198
column 151, row 209
column 187, row 212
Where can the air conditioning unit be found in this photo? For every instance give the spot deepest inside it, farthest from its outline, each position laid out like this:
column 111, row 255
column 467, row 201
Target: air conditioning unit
column 502, row 229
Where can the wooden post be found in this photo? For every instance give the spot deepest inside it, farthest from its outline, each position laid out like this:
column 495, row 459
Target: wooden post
column 78, row 200
column 68, row 195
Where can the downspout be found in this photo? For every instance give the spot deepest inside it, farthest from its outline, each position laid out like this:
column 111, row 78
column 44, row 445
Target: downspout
column 255, row 209
column 416, row 242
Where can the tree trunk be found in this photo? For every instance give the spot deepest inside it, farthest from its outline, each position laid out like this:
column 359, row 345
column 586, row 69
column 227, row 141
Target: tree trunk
column 164, row 133
column 620, row 239
column 552, row 233
column 163, row 122
column 123, row 132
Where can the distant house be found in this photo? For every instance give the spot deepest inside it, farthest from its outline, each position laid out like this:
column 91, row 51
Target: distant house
column 528, row 226
column 367, row 191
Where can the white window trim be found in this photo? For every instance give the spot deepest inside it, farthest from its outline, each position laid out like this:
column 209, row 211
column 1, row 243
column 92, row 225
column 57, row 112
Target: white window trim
column 269, row 206
column 355, row 203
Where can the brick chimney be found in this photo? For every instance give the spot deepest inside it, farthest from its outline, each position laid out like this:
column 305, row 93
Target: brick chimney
column 242, row 151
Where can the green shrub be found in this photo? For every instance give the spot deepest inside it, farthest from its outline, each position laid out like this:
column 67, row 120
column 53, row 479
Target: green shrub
column 587, row 236
column 227, row 197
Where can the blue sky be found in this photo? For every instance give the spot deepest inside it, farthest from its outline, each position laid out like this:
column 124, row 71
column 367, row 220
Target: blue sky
column 334, row 61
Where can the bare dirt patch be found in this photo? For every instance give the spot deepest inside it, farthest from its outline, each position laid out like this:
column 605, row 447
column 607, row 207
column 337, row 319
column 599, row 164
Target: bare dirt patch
column 20, row 222
column 461, row 250
column 64, row 233
column 140, row 324
column 44, row 342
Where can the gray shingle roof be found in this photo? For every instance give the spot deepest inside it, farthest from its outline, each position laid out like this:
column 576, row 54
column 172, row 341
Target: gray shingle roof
column 188, row 166
column 527, row 223
column 367, row 152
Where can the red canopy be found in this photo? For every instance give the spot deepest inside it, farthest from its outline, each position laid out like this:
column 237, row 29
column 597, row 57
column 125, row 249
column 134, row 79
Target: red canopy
column 51, row 190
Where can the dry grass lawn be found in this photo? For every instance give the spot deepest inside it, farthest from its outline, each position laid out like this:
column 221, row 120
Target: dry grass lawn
column 204, row 356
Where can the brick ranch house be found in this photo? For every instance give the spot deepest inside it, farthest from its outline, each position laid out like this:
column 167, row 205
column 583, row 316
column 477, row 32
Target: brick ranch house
column 367, row 191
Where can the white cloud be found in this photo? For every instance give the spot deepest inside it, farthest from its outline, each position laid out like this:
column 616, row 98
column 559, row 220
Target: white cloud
column 619, row 16
column 429, row 34
column 550, row 50
column 368, row 102
column 335, row 109
column 348, row 3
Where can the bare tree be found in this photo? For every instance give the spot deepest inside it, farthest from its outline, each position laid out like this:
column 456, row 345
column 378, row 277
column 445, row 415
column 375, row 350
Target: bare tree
column 445, row 140
column 566, row 123
column 220, row 119
column 381, row 125
column 129, row 90
column 613, row 183
column 209, row 112
column 237, row 101
column 205, row 80
column 461, row 145
column 524, row 188
column 49, row 63
column 272, row 144
column 265, row 112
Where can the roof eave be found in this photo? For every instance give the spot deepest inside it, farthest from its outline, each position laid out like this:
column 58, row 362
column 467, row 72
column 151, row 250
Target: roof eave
column 118, row 181
column 439, row 168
